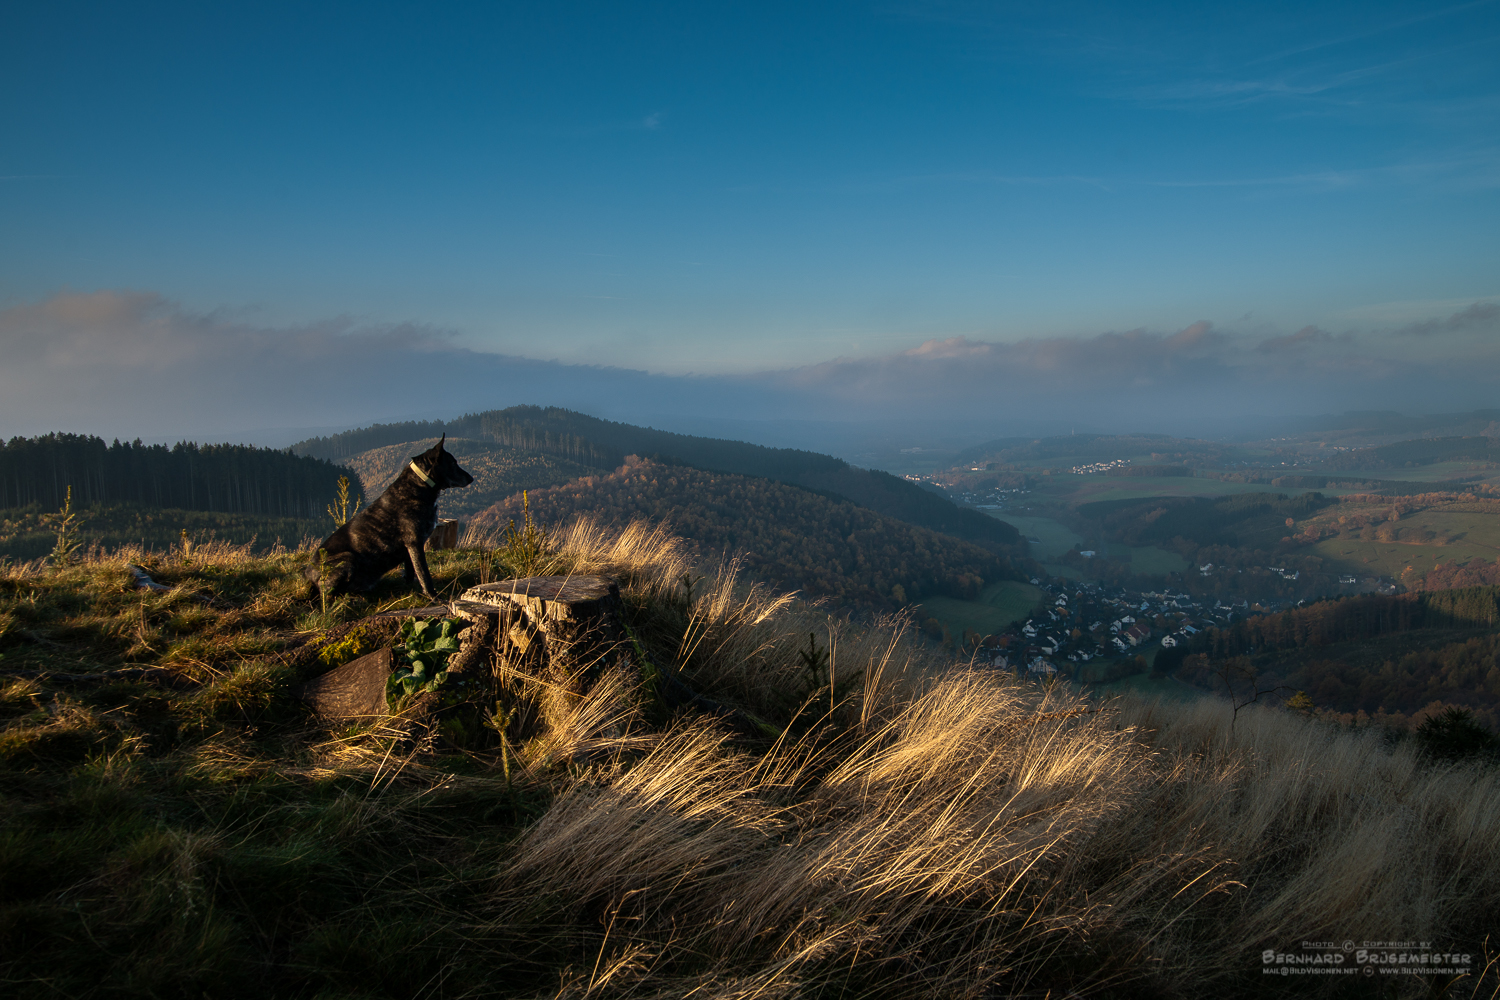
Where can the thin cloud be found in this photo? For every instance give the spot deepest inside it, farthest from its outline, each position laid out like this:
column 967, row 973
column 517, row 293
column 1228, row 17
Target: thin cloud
column 1304, row 338
column 128, row 363
column 1479, row 316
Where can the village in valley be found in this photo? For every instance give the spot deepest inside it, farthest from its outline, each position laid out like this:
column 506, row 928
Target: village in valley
column 1081, row 622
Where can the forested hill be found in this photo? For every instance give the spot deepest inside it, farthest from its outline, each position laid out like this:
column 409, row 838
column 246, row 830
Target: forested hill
column 604, row 444
column 1241, row 519
column 228, row 478
column 577, row 436
column 1346, row 619
column 1388, row 659
column 1426, row 451
column 791, row 537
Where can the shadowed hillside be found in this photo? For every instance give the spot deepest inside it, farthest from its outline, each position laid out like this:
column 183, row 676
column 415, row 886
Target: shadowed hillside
column 604, row 444
column 792, row 537
column 498, row 471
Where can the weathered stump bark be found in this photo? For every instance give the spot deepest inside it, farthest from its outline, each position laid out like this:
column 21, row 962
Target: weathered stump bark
column 355, row 691
column 536, row 644
column 564, row 630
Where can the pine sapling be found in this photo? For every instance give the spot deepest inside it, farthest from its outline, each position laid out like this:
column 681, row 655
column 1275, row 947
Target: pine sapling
column 340, row 510
column 66, row 525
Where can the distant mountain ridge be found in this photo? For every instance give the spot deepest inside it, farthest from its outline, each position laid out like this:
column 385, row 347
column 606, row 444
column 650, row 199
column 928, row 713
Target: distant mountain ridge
column 604, row 444
column 1419, row 452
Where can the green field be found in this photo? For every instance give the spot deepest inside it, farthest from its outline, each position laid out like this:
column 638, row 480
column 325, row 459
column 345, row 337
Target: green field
column 1468, row 536
column 1149, row 560
column 1053, row 538
column 998, row 606
column 1087, row 489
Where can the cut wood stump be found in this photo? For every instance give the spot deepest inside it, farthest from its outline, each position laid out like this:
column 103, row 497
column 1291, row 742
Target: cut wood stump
column 530, row 642
column 355, row 691
column 564, row 629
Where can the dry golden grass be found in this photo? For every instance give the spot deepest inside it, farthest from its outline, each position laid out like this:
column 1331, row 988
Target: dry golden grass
column 918, row 828
column 949, row 832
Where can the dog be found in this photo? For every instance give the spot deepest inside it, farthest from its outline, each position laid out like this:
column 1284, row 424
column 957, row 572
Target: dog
column 390, row 532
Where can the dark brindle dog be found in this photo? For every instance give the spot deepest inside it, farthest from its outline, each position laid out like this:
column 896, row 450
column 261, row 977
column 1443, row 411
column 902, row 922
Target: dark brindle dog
column 392, row 531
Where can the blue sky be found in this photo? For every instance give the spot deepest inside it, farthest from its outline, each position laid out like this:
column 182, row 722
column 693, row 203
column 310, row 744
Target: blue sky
column 732, row 190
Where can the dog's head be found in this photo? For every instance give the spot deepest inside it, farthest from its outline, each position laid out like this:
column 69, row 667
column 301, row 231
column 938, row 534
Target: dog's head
column 441, row 467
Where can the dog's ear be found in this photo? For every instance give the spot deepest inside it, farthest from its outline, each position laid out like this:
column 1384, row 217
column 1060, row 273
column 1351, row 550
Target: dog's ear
column 441, row 440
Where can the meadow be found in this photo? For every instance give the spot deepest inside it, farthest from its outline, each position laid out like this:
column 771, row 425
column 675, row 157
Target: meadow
column 1054, row 539
column 173, row 821
column 997, row 607
column 1406, row 548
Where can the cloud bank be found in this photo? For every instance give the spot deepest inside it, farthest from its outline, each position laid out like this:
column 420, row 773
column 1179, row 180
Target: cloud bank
column 128, row 363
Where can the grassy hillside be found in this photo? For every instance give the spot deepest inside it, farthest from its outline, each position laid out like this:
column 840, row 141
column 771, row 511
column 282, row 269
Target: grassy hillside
column 993, row 610
column 498, row 472
column 792, row 537
column 173, row 822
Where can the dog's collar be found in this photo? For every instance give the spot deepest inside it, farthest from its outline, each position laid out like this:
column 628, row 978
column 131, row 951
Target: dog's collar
column 422, row 475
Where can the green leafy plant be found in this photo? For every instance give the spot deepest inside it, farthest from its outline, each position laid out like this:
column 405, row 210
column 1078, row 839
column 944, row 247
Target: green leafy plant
column 526, row 550
column 66, row 525
column 425, row 647
column 340, row 510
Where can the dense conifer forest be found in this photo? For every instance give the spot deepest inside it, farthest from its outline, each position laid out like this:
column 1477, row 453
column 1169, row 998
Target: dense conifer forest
column 229, row 478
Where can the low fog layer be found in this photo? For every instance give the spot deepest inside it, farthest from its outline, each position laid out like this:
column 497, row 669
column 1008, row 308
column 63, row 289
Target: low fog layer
column 127, row 364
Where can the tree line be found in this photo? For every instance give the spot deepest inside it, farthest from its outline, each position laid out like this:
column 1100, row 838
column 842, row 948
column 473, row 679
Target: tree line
column 228, row 478
column 790, row 537
column 1343, row 619
column 1423, row 451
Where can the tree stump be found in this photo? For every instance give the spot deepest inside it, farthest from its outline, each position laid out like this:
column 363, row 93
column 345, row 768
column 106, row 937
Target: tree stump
column 564, row 629
column 534, row 646
column 355, row 691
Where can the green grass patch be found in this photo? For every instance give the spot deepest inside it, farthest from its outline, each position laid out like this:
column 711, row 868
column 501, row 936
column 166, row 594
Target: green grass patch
column 1090, row 489
column 1052, row 537
column 999, row 605
column 1425, row 539
column 1148, row 560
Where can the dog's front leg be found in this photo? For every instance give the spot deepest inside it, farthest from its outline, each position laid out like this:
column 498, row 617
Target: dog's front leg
column 407, row 573
column 417, row 559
